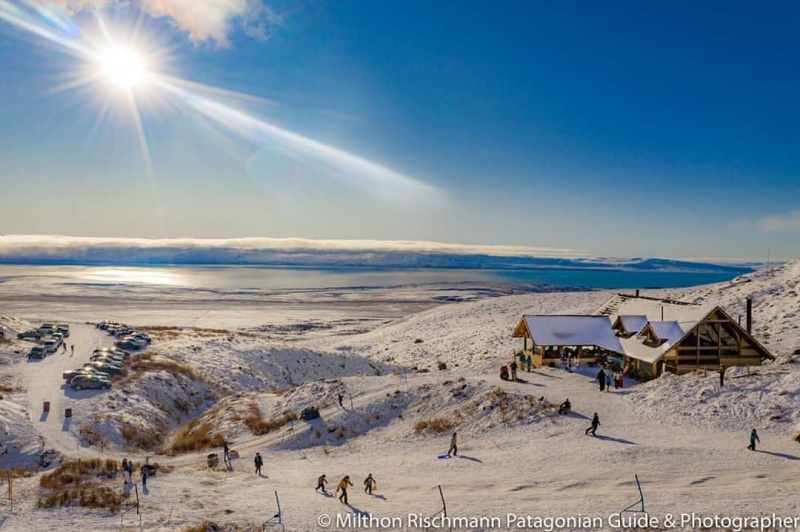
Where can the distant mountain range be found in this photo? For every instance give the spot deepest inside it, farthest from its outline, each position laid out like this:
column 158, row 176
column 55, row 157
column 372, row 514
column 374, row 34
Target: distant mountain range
column 41, row 250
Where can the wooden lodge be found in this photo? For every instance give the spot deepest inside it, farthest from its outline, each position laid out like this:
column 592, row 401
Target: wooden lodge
column 647, row 336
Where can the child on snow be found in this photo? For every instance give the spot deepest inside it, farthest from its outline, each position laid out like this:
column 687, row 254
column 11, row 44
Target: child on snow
column 369, row 484
column 753, row 439
column 321, row 481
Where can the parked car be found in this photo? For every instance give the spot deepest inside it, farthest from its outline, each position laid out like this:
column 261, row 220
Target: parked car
column 37, row 352
column 50, row 346
column 58, row 337
column 101, row 357
column 105, row 367
column 128, row 345
column 67, row 375
column 47, row 328
column 112, row 351
column 63, row 328
column 79, row 382
column 143, row 336
column 33, row 334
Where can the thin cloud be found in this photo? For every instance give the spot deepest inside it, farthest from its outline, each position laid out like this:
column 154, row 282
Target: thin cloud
column 202, row 20
column 45, row 248
column 788, row 222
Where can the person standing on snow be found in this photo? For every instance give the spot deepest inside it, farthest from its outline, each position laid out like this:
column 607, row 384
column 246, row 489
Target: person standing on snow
column 453, row 446
column 753, row 439
column 721, row 376
column 595, row 424
column 125, row 470
column 343, row 486
column 226, row 451
column 321, row 481
column 601, row 378
column 528, row 363
column 369, row 484
column 513, row 367
column 258, row 461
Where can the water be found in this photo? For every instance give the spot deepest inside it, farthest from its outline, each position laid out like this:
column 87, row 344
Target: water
column 277, row 278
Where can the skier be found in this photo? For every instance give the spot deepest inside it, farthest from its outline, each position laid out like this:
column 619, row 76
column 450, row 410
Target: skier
column 343, row 486
column 528, row 363
column 601, row 378
column 513, row 367
column 595, row 424
column 753, row 439
column 453, row 446
column 321, row 481
column 369, row 484
column 721, row 376
column 258, row 461
column 565, row 408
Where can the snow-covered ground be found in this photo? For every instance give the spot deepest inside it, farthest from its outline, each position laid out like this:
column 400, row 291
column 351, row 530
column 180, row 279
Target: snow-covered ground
column 683, row 437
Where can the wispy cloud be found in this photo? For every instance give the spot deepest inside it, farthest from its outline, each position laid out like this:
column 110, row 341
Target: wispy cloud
column 788, row 222
column 202, row 20
column 67, row 246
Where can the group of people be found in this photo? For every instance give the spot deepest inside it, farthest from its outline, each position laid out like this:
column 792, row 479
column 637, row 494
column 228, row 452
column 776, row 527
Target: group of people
column 127, row 473
column 341, row 489
column 605, row 378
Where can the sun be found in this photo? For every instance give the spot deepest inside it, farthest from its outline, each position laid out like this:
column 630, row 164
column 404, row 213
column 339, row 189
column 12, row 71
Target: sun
column 124, row 67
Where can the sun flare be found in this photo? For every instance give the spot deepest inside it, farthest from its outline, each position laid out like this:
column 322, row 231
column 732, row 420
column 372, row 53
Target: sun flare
column 123, row 67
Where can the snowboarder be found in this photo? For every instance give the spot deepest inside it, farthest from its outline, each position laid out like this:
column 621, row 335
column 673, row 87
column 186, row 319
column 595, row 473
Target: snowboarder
column 753, row 440
column 258, row 461
column 125, row 470
column 513, row 367
column 225, row 451
column 343, row 486
column 369, row 484
column 528, row 363
column 321, row 481
column 595, row 424
column 453, row 446
column 601, row 378
column 721, row 375
column 565, row 408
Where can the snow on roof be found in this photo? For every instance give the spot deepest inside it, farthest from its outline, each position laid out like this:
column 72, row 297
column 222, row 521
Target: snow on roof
column 670, row 321
column 633, row 324
column 573, row 330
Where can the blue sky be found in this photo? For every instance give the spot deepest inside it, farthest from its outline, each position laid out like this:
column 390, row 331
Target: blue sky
column 616, row 129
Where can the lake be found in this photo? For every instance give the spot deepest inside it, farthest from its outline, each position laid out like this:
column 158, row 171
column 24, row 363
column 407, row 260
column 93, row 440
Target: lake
column 283, row 278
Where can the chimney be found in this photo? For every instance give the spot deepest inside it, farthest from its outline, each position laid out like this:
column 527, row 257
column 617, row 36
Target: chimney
column 637, row 293
column 749, row 315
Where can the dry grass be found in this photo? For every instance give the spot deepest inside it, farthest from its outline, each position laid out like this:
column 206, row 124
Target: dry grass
column 91, row 436
column 7, row 388
column 149, row 439
column 78, row 483
column 143, row 363
column 260, row 426
column 194, row 436
column 435, row 425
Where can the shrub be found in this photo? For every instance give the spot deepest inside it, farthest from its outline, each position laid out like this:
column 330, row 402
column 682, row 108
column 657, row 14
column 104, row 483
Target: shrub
column 194, row 436
column 259, row 426
column 435, row 425
column 441, row 365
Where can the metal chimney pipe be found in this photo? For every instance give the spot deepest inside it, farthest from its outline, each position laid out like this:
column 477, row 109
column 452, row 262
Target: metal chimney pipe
column 749, row 315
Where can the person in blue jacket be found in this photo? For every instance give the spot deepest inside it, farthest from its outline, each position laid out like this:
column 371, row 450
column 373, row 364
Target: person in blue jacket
column 753, row 440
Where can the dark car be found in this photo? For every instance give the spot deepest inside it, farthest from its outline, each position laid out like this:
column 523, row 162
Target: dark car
column 37, row 352
column 129, row 345
column 79, row 382
column 33, row 334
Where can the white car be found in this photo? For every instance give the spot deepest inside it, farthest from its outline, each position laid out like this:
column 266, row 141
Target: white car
column 59, row 338
column 63, row 328
column 50, row 346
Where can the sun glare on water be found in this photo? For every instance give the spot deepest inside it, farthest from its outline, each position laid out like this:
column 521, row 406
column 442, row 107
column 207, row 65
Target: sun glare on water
column 123, row 67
